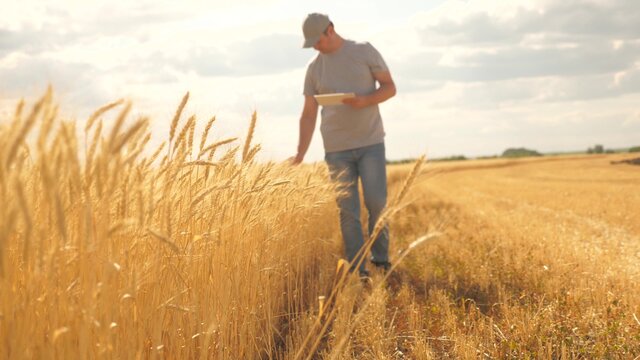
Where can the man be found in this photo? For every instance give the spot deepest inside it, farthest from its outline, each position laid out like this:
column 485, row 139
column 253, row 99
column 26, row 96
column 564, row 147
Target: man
column 352, row 133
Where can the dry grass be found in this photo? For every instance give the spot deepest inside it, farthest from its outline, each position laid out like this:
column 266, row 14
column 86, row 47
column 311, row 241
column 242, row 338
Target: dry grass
column 539, row 259
column 201, row 252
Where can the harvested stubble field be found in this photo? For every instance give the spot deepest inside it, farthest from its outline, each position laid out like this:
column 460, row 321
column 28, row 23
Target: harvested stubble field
column 195, row 250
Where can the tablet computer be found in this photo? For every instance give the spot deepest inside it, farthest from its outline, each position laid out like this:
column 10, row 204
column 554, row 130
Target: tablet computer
column 333, row 99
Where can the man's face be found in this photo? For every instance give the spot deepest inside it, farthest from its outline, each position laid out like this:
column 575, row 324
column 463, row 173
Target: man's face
column 323, row 43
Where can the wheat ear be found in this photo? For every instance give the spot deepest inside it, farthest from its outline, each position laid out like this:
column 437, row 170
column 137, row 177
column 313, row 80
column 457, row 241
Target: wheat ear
column 247, row 143
column 203, row 139
column 176, row 118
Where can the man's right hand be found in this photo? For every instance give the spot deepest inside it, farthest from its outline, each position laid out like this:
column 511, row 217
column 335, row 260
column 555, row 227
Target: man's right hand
column 307, row 125
column 295, row 160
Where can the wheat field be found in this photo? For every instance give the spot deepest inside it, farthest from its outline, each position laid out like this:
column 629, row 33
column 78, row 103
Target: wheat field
column 111, row 248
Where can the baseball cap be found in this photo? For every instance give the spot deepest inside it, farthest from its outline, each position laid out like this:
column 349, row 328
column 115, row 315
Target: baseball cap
column 314, row 25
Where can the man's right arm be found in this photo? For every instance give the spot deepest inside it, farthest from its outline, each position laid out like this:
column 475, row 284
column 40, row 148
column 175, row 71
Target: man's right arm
column 307, row 126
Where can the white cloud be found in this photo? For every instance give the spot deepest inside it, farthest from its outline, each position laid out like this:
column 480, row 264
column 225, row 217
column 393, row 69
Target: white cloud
column 633, row 120
column 473, row 42
column 270, row 54
column 30, row 76
column 481, row 22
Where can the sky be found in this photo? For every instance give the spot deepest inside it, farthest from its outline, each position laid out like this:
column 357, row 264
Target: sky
column 473, row 77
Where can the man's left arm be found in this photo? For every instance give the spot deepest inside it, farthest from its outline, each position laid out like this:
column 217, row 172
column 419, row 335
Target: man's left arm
column 386, row 91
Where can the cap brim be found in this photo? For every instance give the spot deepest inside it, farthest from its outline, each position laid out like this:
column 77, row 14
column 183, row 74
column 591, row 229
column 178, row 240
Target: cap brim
column 310, row 42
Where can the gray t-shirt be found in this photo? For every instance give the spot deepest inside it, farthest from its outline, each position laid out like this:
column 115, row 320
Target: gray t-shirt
column 349, row 69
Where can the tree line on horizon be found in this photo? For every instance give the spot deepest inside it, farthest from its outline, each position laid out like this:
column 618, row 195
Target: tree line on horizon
column 518, row 153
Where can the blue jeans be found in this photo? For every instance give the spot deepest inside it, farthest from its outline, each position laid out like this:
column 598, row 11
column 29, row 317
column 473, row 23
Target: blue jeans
column 369, row 165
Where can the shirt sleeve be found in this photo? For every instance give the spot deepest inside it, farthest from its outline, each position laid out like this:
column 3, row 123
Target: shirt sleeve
column 309, row 82
column 374, row 60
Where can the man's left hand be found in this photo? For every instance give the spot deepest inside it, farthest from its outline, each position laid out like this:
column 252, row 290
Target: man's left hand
column 356, row 102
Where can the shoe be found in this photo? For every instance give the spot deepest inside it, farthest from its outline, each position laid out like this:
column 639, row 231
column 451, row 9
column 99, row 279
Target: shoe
column 384, row 265
column 365, row 279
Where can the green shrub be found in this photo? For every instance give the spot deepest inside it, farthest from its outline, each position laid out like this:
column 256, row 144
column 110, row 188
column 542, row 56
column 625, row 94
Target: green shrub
column 598, row 149
column 520, row 152
column 451, row 158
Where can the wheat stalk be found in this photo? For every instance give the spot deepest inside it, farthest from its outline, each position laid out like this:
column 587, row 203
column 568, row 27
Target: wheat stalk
column 205, row 134
column 96, row 114
column 181, row 141
column 24, row 208
column 27, row 125
column 199, row 163
column 252, row 153
column 92, row 150
column 164, row 239
column 213, row 146
column 176, row 118
column 118, row 124
column 17, row 115
column 156, row 153
column 247, row 143
column 45, row 130
column 5, row 232
column 190, row 141
column 122, row 139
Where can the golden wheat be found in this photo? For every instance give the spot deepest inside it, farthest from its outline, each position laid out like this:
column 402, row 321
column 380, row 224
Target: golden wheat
column 176, row 117
column 247, row 142
column 205, row 134
column 112, row 252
